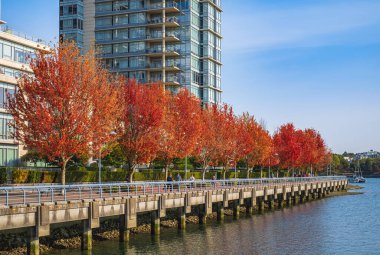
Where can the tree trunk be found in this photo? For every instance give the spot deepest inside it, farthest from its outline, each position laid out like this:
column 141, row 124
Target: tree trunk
column 203, row 174
column 63, row 172
column 166, row 172
column 130, row 175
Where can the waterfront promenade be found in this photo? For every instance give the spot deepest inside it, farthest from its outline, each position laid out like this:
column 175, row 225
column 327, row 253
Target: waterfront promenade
column 38, row 207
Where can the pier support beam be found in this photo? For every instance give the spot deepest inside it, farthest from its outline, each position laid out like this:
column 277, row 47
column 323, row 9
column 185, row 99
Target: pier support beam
column 33, row 243
column 86, row 240
column 202, row 215
column 280, row 201
column 260, row 204
column 248, row 208
column 302, row 198
column 270, row 203
column 220, row 212
column 289, row 199
column 123, row 230
column 320, row 193
column 154, row 223
column 181, row 218
column 236, row 210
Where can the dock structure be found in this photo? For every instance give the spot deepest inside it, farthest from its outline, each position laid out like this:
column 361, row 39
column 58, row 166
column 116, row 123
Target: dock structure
column 37, row 208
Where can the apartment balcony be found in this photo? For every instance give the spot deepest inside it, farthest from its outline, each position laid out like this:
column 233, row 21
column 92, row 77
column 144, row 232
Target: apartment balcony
column 153, row 53
column 169, row 22
column 153, row 38
column 170, row 7
column 154, row 67
column 172, row 81
column 115, row 26
column 122, row 54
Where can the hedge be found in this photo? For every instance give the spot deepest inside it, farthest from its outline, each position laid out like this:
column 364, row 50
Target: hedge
column 20, row 176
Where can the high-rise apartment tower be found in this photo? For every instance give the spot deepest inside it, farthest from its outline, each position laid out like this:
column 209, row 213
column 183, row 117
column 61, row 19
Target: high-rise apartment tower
column 177, row 41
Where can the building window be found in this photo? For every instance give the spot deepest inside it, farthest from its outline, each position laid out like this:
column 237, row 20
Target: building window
column 120, row 19
column 8, row 155
column 103, row 22
column 103, row 35
column 120, row 48
column 137, row 18
column 137, row 47
column 136, row 33
column 136, row 62
column 7, row 52
column 119, row 34
column 5, row 90
column 5, row 130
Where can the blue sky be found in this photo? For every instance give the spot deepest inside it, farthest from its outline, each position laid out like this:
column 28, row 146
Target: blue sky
column 315, row 63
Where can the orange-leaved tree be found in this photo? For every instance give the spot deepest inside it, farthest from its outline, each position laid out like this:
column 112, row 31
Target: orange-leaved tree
column 286, row 142
column 206, row 144
column 181, row 128
column 53, row 109
column 105, row 114
column 225, row 153
column 142, row 112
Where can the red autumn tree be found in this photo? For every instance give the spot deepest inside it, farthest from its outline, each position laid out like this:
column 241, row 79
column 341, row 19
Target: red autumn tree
column 266, row 153
column 286, row 142
column 53, row 108
column 313, row 148
column 105, row 113
column 255, row 143
column 142, row 115
column 248, row 139
column 181, row 127
column 205, row 146
column 225, row 152
column 326, row 160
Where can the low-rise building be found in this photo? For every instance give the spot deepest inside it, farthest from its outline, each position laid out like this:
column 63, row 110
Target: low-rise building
column 16, row 50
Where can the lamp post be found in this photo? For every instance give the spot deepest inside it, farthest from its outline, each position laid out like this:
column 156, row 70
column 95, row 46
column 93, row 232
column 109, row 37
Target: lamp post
column 186, row 168
column 100, row 165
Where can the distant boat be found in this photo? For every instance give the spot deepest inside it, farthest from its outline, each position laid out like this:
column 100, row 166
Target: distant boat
column 357, row 177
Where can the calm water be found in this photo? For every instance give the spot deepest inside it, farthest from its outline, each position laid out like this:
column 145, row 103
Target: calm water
column 338, row 225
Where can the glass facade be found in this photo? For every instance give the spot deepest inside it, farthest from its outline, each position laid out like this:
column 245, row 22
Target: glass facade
column 174, row 41
column 71, row 20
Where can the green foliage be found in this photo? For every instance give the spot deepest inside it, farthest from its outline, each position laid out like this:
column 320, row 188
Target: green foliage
column 115, row 157
column 3, row 175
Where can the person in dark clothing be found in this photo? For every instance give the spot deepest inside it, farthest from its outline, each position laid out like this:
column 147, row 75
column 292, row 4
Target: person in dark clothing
column 169, row 179
column 178, row 178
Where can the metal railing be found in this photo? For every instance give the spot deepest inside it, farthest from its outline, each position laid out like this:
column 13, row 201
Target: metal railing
column 23, row 195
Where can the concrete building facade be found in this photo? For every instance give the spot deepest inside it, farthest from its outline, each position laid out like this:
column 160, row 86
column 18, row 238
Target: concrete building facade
column 177, row 41
column 15, row 52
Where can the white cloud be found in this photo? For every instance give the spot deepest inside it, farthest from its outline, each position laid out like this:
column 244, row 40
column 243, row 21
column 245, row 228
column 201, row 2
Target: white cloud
column 302, row 26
